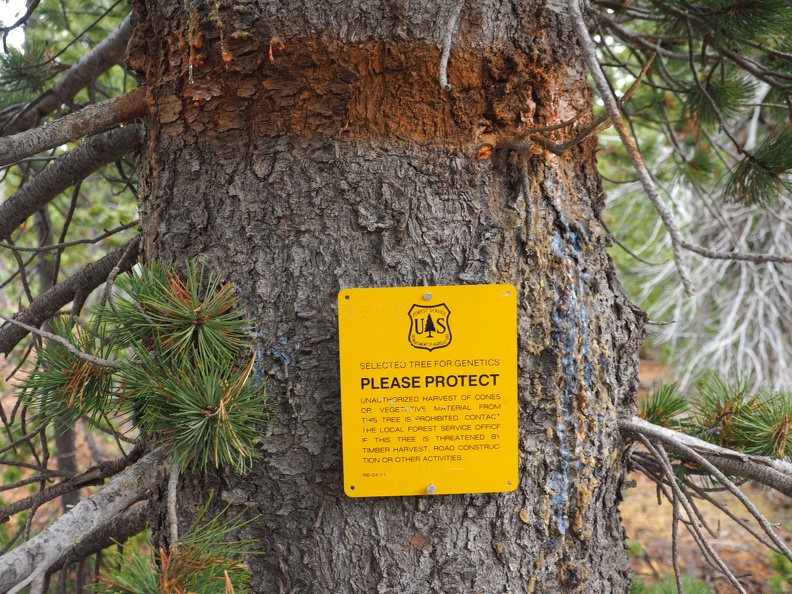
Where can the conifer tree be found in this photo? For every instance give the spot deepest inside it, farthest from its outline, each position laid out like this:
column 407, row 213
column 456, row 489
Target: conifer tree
column 430, row 327
column 163, row 362
column 713, row 122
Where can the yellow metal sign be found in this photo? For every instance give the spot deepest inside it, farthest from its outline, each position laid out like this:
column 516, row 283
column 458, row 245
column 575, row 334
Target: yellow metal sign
column 428, row 389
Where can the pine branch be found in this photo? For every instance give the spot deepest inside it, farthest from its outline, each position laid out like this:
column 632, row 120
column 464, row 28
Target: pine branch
column 611, row 107
column 88, row 121
column 773, row 473
column 119, row 529
column 61, row 246
column 738, row 256
column 714, row 461
column 32, row 559
column 63, row 342
column 76, row 287
column 100, row 59
column 678, row 243
column 680, row 498
column 636, row 40
column 713, row 106
column 92, row 476
column 64, row 172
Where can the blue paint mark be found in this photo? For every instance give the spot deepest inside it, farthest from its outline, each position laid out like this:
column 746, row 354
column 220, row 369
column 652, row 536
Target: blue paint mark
column 259, row 373
column 556, row 246
column 281, row 356
column 571, row 338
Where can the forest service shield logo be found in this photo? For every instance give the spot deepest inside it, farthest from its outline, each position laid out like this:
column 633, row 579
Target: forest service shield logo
column 429, row 328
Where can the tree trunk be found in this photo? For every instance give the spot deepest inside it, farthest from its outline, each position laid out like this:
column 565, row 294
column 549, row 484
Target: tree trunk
column 304, row 147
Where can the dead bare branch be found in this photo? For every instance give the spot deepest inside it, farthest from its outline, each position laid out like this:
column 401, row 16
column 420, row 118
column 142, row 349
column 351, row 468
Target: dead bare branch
column 76, row 287
column 33, row 559
column 449, row 33
column 66, row 171
column 173, row 515
column 88, row 121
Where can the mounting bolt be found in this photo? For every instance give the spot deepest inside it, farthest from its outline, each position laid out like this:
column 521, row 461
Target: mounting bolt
column 427, row 296
column 431, row 489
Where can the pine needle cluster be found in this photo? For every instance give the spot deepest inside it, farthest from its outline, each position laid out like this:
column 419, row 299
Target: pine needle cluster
column 65, row 386
column 21, row 75
column 178, row 366
column 712, row 119
column 764, row 176
column 206, row 561
column 189, row 385
column 726, row 414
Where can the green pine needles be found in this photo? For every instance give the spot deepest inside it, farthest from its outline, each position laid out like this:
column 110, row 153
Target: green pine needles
column 181, row 317
column 176, row 363
column 763, row 176
column 727, row 20
column 67, row 387
column 664, row 406
column 206, row 561
column 725, row 413
column 715, row 98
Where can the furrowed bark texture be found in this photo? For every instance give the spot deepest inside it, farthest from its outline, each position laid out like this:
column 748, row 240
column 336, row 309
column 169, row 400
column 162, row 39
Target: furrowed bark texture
column 314, row 150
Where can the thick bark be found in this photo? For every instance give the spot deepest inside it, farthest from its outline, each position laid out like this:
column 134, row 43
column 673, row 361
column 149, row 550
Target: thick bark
column 314, row 150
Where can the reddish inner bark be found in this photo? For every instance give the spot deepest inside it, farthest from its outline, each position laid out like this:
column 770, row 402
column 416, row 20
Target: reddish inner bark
column 302, row 87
